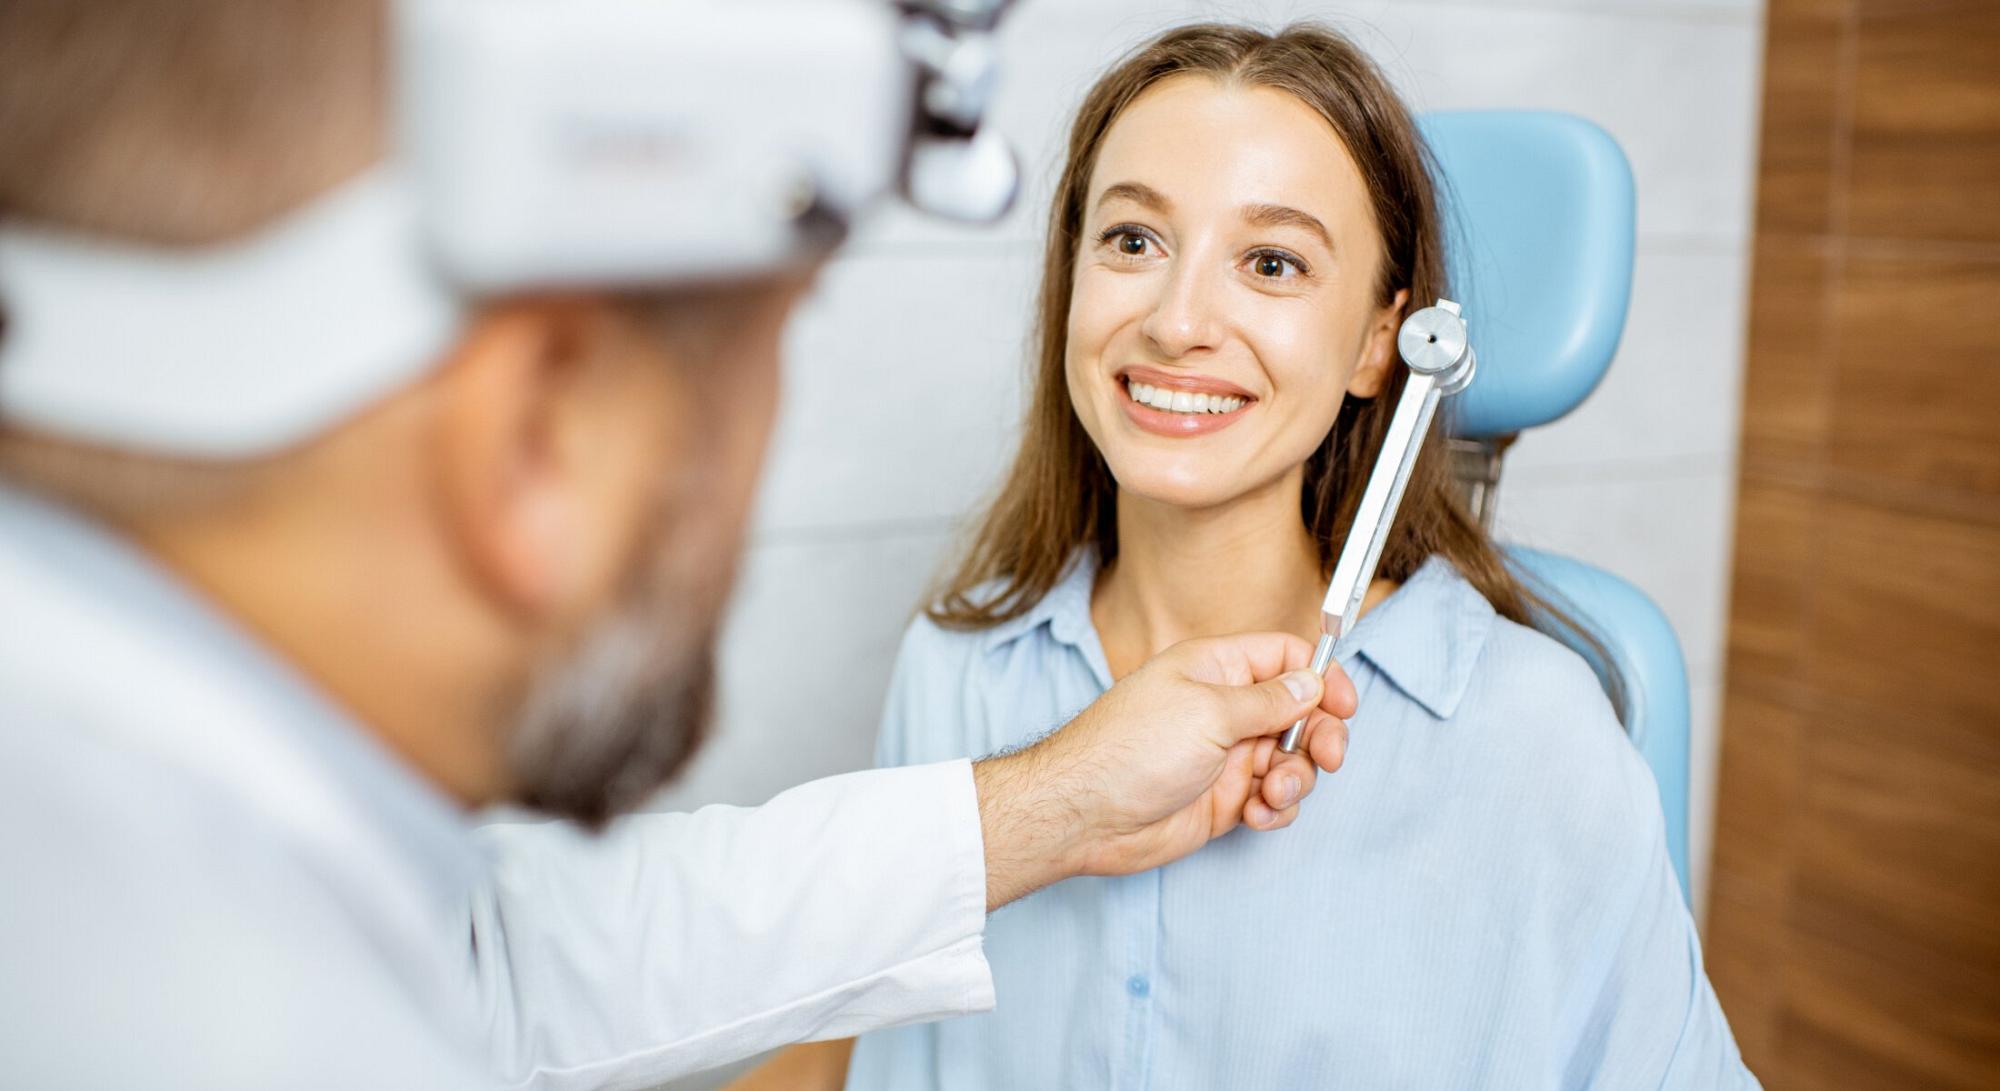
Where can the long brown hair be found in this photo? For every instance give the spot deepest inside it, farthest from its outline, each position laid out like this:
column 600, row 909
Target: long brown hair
column 1060, row 495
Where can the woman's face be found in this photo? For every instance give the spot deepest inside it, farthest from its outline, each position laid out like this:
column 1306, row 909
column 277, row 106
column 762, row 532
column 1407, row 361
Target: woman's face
column 1224, row 299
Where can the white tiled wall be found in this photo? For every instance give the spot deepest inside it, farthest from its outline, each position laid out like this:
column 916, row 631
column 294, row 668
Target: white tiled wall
column 904, row 372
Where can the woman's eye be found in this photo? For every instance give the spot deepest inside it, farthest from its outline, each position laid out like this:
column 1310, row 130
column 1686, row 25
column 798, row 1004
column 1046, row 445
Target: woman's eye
column 1275, row 266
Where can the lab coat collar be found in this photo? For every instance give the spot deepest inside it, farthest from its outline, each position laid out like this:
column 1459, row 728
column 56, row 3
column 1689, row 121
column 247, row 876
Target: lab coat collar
column 95, row 627
column 1425, row 638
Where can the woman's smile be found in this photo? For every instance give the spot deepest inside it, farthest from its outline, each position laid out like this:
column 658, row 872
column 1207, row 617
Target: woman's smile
column 1177, row 405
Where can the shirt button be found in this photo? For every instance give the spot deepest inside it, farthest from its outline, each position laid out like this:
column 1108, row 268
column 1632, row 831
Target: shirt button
column 1138, row 986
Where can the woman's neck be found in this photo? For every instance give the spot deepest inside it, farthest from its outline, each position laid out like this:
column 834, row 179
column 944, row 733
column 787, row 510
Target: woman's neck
column 1243, row 566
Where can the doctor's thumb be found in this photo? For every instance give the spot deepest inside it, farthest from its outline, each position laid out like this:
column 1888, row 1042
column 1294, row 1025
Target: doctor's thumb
column 1269, row 707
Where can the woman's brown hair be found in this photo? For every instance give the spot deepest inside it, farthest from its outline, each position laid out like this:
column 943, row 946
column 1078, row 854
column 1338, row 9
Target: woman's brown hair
column 1059, row 496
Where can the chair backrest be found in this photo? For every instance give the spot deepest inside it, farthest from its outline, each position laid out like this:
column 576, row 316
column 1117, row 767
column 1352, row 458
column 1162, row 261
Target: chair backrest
column 1540, row 212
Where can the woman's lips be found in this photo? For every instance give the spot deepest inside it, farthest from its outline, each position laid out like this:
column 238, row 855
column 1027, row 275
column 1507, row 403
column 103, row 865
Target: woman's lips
column 1168, row 422
column 1174, row 380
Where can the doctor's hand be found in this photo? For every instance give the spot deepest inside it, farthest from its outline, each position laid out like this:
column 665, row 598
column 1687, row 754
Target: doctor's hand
column 1178, row 753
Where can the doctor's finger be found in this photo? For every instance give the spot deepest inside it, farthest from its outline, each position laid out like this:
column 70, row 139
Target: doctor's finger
column 1290, row 780
column 1338, row 696
column 1326, row 740
column 1265, row 746
column 1259, row 816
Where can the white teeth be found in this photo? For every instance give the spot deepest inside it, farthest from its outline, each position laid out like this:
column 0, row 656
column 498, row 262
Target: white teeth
column 1181, row 401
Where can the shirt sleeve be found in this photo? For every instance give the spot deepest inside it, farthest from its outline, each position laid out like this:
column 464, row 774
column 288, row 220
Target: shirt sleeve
column 1654, row 1020
column 678, row 942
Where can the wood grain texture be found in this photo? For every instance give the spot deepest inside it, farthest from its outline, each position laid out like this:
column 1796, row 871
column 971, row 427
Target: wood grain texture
column 1802, row 66
column 1891, row 942
column 1788, row 396
column 1854, row 920
column 1916, row 398
column 1907, row 620
column 1772, row 579
column 1750, row 882
column 1926, row 140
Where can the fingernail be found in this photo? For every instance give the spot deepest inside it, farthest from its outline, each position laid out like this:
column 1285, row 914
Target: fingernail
column 1301, row 685
column 1288, row 790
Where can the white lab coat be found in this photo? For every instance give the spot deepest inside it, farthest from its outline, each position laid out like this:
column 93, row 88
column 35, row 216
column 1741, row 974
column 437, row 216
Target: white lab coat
column 214, row 880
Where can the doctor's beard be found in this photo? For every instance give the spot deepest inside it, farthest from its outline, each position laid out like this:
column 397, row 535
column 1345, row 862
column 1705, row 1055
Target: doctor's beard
column 622, row 710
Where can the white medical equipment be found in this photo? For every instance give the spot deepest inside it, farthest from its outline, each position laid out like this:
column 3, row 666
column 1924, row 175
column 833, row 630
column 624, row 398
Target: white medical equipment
column 539, row 143
column 1435, row 346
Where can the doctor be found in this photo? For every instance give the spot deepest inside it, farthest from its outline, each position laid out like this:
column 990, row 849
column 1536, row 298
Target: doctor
column 341, row 497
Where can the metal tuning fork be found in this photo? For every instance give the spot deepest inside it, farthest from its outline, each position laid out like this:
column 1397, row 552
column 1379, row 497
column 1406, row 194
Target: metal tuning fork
column 1434, row 344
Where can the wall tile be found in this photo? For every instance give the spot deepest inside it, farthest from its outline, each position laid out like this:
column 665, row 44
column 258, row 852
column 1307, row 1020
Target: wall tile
column 1674, row 389
column 1678, row 95
column 1668, row 534
column 903, row 387
column 1678, row 92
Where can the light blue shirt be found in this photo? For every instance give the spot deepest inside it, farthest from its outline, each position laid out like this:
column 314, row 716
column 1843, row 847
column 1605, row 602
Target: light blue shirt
column 1480, row 898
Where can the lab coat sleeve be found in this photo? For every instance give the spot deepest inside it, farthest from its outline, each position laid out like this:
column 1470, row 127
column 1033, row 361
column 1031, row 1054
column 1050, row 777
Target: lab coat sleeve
column 678, row 942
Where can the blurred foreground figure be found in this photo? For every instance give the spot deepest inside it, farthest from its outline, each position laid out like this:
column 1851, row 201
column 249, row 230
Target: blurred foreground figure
column 307, row 551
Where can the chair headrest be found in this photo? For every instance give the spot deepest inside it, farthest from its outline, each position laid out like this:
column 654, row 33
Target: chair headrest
column 1539, row 214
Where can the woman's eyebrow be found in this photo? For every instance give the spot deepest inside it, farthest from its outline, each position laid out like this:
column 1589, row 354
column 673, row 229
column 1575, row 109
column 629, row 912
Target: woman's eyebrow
column 1138, row 192
column 1285, row 215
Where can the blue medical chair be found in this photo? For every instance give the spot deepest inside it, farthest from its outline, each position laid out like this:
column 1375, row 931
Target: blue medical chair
column 1539, row 218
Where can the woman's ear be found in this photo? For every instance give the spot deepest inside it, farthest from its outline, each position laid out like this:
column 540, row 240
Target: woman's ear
column 1378, row 349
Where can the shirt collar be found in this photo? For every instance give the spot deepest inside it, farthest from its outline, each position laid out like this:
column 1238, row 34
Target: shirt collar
column 1426, row 638
column 1065, row 609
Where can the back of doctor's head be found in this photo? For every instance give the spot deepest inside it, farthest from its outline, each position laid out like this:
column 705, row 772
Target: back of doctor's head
column 513, row 567
column 179, row 124
column 185, row 123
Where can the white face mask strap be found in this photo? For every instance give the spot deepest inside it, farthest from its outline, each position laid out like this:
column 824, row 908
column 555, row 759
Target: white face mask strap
column 227, row 351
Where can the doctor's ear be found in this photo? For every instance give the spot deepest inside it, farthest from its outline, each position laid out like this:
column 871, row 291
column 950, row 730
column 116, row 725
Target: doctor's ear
column 552, row 421
column 1378, row 348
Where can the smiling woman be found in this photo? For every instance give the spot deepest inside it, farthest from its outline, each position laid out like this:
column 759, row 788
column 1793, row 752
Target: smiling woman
column 1484, row 898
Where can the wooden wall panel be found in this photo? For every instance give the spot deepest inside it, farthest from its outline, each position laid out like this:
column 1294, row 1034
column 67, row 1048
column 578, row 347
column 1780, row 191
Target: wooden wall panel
column 1854, row 916
column 1802, row 65
column 1919, row 409
column 1771, row 589
column 1926, row 129
column 1908, row 619
column 1750, row 882
column 1788, row 397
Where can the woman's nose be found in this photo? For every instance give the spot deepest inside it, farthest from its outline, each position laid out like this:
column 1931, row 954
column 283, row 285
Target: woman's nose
column 1183, row 319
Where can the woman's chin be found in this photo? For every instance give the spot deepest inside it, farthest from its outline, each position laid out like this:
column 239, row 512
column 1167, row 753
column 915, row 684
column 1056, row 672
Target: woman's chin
column 1177, row 490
